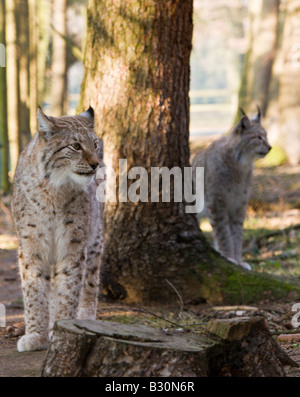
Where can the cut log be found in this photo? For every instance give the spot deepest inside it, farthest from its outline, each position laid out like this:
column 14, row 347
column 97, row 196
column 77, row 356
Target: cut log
column 248, row 350
column 233, row 347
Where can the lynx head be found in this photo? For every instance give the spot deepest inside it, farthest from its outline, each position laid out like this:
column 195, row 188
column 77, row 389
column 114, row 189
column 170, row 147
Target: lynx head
column 251, row 138
column 70, row 148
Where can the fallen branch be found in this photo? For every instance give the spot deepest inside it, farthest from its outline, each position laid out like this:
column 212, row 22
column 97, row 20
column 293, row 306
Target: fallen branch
column 290, row 338
column 234, row 308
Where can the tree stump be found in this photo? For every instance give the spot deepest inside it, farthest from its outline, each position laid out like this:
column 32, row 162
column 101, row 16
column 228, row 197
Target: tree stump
column 233, row 347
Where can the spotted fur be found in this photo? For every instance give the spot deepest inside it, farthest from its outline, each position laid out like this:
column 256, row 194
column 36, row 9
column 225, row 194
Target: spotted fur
column 58, row 222
column 228, row 166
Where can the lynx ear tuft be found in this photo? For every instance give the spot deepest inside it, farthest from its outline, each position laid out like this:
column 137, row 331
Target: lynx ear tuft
column 89, row 114
column 242, row 111
column 244, row 122
column 257, row 118
column 45, row 124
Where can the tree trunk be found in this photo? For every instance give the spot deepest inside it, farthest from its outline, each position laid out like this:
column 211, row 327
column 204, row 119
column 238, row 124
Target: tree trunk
column 59, row 61
column 137, row 79
column 12, row 83
column 3, row 103
column 138, row 83
column 33, row 69
column 23, row 68
column 234, row 347
column 257, row 72
column 289, row 80
column 44, row 23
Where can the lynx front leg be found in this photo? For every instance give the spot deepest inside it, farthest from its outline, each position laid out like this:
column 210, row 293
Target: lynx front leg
column 222, row 237
column 35, row 285
column 237, row 234
column 89, row 294
column 67, row 285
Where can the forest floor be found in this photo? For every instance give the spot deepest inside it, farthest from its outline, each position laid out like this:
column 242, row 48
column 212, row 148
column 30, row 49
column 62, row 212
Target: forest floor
column 271, row 244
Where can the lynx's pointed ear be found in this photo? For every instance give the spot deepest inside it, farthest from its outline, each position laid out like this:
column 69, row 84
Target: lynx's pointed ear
column 89, row 114
column 45, row 124
column 244, row 122
column 257, row 118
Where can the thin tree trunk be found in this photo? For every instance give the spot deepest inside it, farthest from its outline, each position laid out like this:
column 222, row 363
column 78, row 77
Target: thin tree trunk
column 12, row 82
column 23, row 67
column 33, row 70
column 257, row 72
column 137, row 79
column 3, row 103
column 59, row 61
column 44, row 22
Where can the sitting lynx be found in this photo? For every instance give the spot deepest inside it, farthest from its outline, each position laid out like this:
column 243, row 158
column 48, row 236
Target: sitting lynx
column 58, row 222
column 228, row 165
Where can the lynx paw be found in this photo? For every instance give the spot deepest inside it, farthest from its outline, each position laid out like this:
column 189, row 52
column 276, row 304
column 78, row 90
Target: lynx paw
column 245, row 265
column 32, row 342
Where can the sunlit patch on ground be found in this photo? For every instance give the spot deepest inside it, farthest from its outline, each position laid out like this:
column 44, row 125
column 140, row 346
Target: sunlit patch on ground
column 8, row 242
column 206, row 226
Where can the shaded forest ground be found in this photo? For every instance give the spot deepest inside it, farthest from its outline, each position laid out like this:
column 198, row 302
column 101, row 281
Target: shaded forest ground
column 272, row 244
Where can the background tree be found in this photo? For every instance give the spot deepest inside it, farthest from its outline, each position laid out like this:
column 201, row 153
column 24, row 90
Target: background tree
column 24, row 89
column 260, row 55
column 59, row 61
column 3, row 104
column 30, row 53
column 12, row 83
column 271, row 73
column 44, row 23
column 137, row 77
column 33, row 63
column 21, row 27
column 289, row 80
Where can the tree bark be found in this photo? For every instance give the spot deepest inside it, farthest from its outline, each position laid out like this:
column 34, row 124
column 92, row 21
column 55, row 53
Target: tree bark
column 3, row 103
column 234, row 347
column 137, row 79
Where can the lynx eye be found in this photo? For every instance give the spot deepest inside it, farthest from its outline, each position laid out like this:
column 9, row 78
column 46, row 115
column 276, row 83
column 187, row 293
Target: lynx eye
column 76, row 146
column 96, row 145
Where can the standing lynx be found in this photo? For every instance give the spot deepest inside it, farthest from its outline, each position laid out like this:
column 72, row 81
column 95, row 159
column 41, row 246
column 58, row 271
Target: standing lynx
column 58, row 222
column 228, row 166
